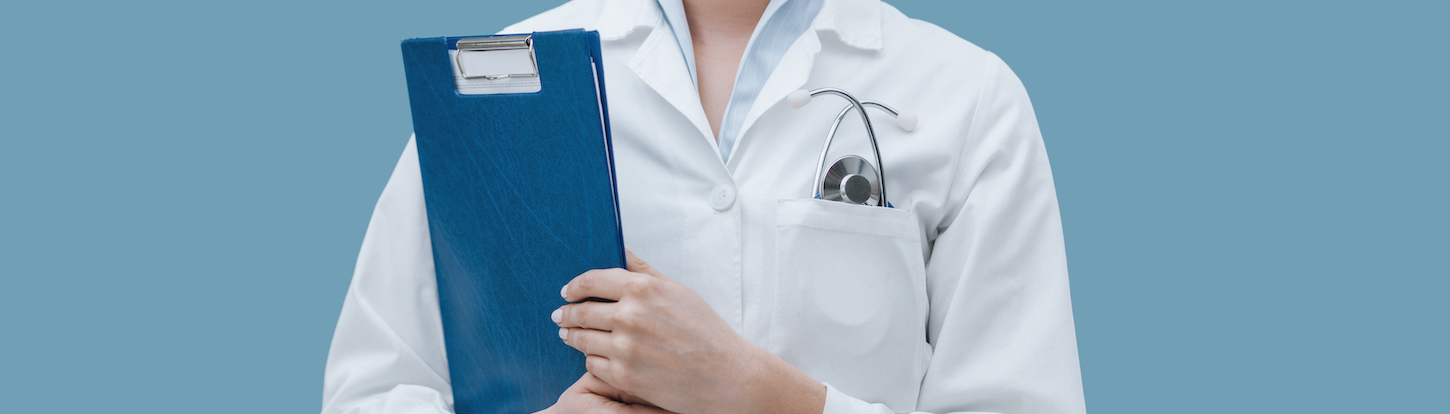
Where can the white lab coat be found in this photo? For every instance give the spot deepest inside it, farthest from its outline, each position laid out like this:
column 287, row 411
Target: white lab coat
column 955, row 301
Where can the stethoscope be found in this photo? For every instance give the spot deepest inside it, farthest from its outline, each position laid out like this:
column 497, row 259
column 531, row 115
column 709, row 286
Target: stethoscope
column 851, row 179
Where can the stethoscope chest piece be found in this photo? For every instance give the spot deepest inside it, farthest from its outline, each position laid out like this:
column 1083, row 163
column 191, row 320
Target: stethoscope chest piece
column 851, row 179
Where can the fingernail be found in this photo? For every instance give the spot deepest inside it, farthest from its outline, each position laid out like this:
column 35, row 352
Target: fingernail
column 558, row 315
column 564, row 334
column 564, row 292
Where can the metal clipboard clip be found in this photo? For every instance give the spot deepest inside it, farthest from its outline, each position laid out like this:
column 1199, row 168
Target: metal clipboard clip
column 496, row 43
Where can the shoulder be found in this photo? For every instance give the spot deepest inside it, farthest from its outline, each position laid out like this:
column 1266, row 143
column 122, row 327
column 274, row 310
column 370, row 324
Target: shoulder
column 966, row 78
column 575, row 14
column 972, row 91
column 923, row 44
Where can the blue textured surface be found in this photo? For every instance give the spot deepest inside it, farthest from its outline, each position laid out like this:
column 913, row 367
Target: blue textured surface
column 520, row 200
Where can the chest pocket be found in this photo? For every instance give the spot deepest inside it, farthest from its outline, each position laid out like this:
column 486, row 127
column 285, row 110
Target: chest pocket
column 851, row 298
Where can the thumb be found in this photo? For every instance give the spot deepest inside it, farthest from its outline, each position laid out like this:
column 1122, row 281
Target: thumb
column 637, row 265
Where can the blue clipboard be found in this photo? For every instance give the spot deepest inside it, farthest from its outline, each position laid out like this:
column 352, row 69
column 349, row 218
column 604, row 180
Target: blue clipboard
column 520, row 195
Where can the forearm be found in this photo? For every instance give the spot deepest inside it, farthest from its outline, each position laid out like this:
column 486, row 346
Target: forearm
column 775, row 386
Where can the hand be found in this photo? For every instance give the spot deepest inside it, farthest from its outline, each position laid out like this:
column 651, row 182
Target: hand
column 590, row 395
column 660, row 341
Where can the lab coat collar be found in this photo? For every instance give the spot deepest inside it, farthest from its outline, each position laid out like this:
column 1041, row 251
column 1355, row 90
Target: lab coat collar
column 857, row 23
column 620, row 18
column 660, row 64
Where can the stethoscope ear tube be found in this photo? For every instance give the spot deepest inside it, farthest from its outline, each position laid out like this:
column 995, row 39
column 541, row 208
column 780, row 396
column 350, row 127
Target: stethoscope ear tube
column 906, row 121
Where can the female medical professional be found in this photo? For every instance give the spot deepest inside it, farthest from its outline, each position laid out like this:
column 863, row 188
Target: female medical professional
column 756, row 297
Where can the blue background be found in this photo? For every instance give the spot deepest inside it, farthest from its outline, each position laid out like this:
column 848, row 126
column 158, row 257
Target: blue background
column 1254, row 193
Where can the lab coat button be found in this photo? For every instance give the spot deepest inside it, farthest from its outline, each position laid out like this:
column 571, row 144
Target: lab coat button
column 722, row 197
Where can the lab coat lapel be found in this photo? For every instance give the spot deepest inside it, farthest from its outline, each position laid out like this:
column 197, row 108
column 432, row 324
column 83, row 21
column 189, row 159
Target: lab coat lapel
column 856, row 22
column 660, row 64
column 789, row 75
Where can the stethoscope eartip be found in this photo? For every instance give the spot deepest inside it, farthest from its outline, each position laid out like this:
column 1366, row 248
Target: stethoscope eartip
column 799, row 98
column 906, row 120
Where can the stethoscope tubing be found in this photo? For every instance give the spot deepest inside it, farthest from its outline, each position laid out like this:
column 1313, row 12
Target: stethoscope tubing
column 831, row 136
column 870, row 133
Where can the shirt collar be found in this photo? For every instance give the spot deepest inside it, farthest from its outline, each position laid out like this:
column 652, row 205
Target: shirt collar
column 674, row 15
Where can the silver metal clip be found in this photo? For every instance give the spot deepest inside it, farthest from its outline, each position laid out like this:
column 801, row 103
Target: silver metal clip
column 486, row 44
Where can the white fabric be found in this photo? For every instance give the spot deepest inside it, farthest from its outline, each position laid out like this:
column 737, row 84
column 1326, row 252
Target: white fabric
column 955, row 301
column 780, row 25
column 674, row 15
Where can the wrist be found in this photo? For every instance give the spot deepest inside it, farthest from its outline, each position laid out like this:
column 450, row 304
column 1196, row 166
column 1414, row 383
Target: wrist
column 775, row 386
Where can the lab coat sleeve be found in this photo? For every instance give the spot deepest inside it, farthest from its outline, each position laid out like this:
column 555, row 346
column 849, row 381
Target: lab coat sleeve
column 387, row 354
column 1001, row 324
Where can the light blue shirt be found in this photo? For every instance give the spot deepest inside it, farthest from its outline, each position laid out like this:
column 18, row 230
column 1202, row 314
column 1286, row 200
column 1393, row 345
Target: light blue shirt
column 783, row 22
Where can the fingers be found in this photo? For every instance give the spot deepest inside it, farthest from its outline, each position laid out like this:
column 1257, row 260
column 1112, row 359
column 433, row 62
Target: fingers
column 599, row 316
column 592, row 395
column 600, row 373
column 609, row 284
column 629, row 408
column 637, row 265
column 599, row 365
column 589, row 341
